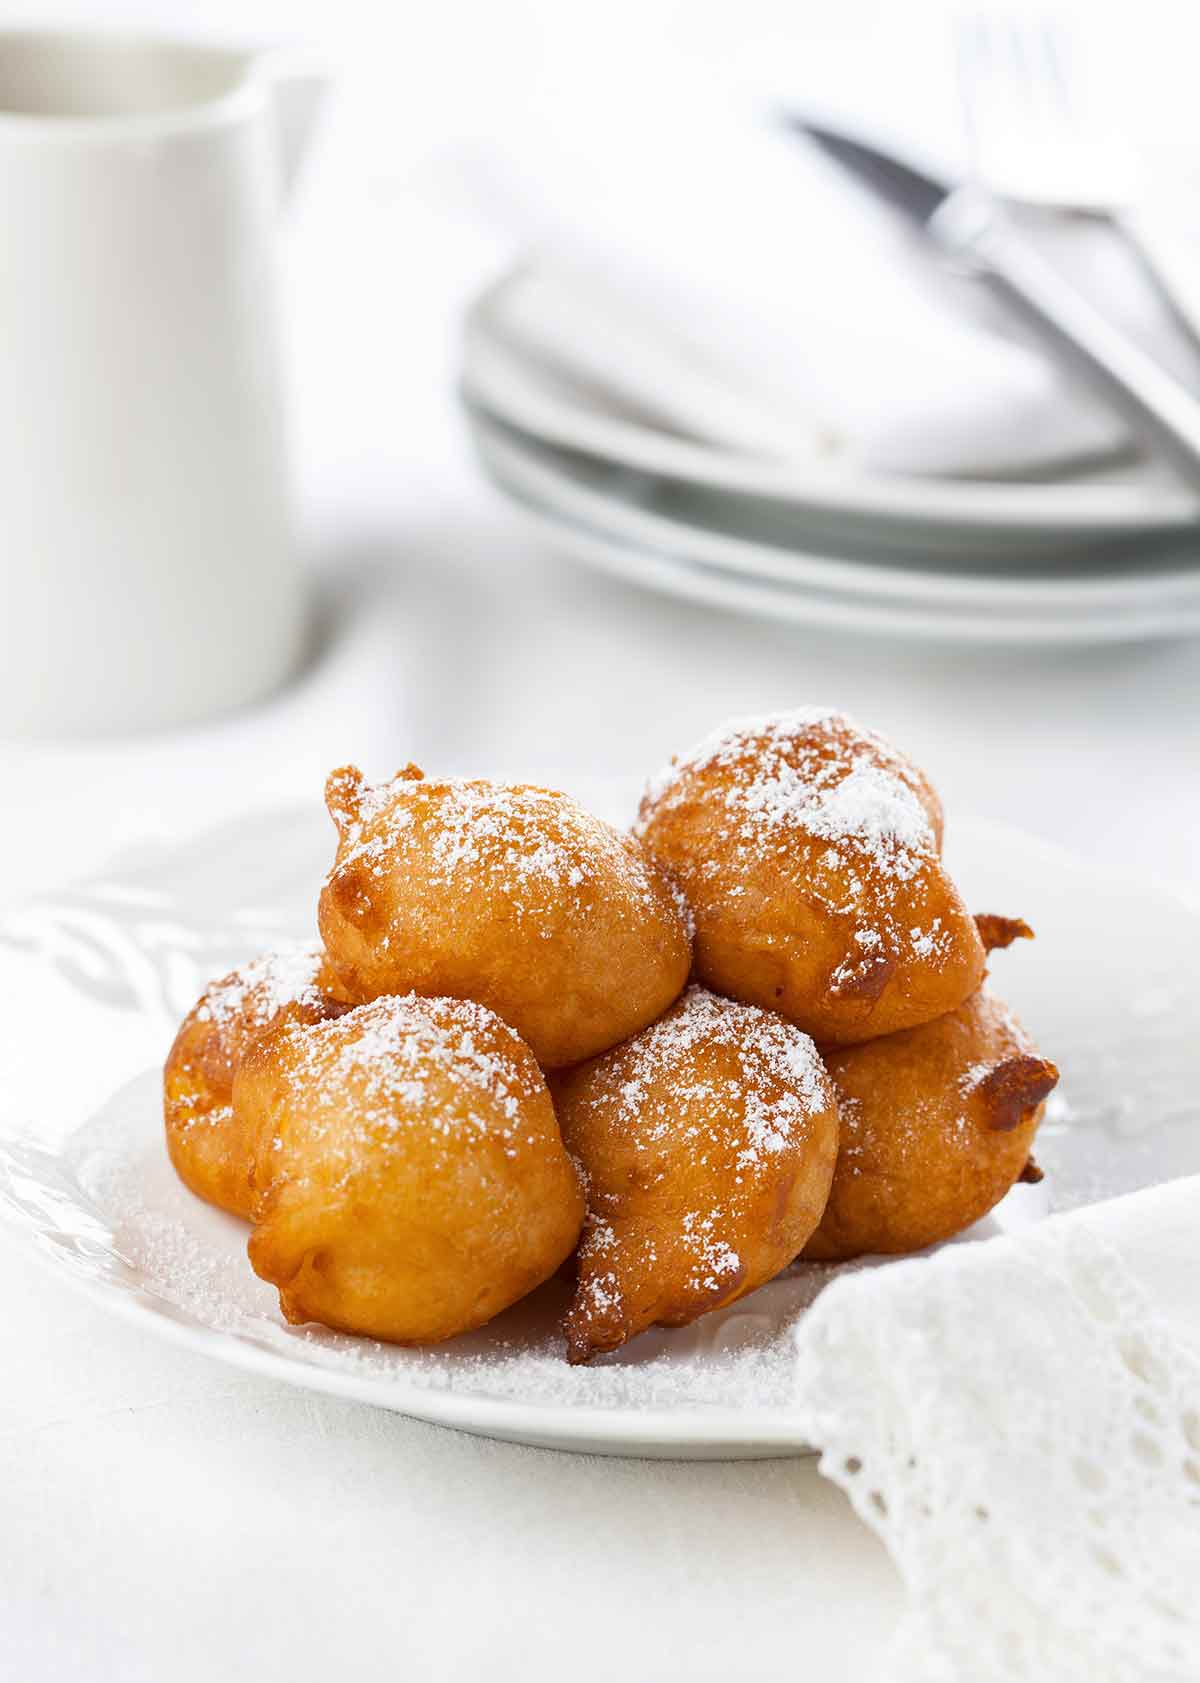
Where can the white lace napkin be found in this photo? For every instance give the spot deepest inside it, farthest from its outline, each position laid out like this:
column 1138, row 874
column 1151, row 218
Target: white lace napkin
column 1019, row 1421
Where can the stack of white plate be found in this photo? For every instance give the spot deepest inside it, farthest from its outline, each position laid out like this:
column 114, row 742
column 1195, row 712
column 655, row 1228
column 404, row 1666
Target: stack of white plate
column 1096, row 558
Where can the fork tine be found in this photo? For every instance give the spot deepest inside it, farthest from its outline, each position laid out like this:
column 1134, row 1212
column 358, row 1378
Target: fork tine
column 1032, row 64
column 1053, row 56
column 983, row 86
column 991, row 87
column 1018, row 64
column 967, row 53
column 1034, row 129
column 1020, row 106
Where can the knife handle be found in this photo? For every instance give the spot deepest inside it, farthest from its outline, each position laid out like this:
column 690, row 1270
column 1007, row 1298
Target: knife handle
column 973, row 229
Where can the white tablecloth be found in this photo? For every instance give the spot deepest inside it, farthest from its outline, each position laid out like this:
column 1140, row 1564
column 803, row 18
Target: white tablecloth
column 163, row 1517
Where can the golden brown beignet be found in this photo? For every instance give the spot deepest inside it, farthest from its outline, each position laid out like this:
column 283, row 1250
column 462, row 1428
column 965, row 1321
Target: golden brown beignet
column 412, row 1176
column 707, row 1144
column 937, row 1124
column 205, row 1141
column 808, row 850
column 503, row 893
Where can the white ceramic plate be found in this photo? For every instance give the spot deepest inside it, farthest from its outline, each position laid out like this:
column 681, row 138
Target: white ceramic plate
column 514, row 387
column 1109, row 989
column 597, row 516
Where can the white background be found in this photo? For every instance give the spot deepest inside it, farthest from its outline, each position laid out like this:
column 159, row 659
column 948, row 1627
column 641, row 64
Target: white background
column 163, row 1518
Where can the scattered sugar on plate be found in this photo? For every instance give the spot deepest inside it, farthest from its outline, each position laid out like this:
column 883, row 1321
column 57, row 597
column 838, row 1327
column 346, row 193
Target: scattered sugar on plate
column 192, row 1259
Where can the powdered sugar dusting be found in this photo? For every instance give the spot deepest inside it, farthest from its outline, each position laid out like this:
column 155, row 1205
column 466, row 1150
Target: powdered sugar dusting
column 686, row 915
column 536, row 846
column 970, row 1078
column 713, row 1259
column 259, row 990
column 712, row 747
column 791, row 781
column 810, row 769
column 231, row 1014
column 873, row 808
column 600, row 1292
column 394, row 1063
column 691, row 1131
column 775, row 1079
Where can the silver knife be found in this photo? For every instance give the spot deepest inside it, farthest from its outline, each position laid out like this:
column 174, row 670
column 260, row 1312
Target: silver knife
column 973, row 229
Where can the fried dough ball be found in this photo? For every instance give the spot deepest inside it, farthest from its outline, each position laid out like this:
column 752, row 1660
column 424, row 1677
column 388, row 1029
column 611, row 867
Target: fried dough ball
column 503, row 893
column 707, row 1144
column 413, row 1178
column 205, row 1140
column 809, row 852
column 937, row 1124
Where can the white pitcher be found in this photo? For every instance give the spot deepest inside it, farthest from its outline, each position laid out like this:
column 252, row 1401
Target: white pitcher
column 148, row 574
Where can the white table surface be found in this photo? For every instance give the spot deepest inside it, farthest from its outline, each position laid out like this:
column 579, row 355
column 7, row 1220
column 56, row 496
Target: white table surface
column 164, row 1518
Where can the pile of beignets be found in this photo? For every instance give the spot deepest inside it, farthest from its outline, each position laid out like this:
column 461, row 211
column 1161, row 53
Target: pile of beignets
column 753, row 1030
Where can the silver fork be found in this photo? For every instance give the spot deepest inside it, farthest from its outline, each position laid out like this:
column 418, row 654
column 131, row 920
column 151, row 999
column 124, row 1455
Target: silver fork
column 1036, row 136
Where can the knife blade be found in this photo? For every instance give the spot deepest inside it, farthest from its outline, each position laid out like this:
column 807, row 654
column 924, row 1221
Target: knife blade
column 894, row 179
column 971, row 227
